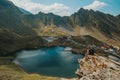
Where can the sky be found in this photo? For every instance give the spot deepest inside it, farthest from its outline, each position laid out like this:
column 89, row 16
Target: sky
column 68, row 7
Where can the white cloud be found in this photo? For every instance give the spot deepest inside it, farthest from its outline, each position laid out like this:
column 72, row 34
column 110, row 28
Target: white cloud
column 96, row 5
column 56, row 8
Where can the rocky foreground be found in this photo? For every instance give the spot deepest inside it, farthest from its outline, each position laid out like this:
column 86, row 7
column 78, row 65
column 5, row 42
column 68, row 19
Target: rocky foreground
column 91, row 68
column 98, row 68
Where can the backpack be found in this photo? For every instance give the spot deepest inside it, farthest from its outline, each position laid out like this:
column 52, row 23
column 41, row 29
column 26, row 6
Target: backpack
column 91, row 52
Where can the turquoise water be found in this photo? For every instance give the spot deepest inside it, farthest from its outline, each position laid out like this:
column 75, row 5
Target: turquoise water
column 54, row 61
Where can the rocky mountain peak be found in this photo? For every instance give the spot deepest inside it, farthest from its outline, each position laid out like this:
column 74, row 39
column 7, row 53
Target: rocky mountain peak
column 82, row 10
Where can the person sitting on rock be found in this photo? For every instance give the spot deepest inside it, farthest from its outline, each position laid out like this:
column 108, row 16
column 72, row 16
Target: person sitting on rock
column 90, row 50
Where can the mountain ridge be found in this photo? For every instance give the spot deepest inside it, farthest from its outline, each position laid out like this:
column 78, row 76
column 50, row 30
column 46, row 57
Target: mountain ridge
column 104, row 27
column 82, row 18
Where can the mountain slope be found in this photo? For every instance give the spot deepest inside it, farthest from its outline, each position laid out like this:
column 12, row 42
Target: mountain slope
column 86, row 21
column 15, row 24
column 90, row 22
column 105, row 23
column 11, row 18
column 42, row 19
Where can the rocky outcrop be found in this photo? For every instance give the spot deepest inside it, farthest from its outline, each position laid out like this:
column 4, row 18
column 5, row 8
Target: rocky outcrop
column 98, row 68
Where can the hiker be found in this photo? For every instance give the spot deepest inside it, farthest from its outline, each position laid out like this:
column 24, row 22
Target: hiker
column 90, row 50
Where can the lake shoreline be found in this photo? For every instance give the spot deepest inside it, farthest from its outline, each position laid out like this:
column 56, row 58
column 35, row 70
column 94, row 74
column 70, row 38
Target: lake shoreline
column 49, row 59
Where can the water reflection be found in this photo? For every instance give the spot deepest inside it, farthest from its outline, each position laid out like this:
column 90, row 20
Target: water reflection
column 53, row 61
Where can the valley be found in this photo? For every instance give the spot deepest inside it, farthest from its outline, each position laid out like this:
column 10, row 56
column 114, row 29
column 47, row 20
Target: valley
column 48, row 45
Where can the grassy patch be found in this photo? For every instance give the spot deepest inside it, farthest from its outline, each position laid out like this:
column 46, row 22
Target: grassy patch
column 38, row 77
column 11, row 72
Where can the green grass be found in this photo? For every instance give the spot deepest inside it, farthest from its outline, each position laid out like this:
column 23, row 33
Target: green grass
column 13, row 72
column 10, row 71
column 38, row 77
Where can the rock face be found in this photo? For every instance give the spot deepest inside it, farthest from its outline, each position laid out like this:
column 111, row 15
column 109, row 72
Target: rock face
column 98, row 68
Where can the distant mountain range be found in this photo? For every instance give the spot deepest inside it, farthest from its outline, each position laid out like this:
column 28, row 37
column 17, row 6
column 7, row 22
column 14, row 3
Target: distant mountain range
column 18, row 22
column 22, row 22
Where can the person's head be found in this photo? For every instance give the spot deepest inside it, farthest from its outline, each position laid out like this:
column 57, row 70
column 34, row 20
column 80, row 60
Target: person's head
column 88, row 46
